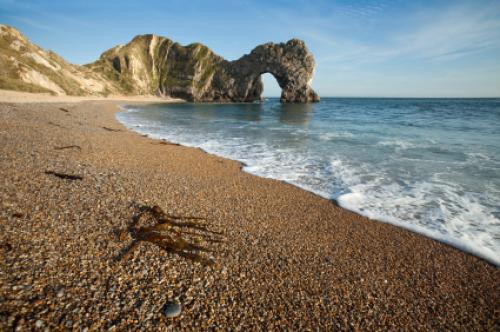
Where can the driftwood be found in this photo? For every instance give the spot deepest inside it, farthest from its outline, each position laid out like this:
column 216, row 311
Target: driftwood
column 166, row 143
column 111, row 129
column 55, row 124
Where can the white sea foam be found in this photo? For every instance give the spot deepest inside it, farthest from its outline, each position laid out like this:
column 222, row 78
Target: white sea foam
column 333, row 136
column 453, row 221
column 398, row 143
column 477, row 156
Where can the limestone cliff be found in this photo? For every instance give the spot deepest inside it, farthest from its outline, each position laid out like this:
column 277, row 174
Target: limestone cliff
column 27, row 67
column 156, row 65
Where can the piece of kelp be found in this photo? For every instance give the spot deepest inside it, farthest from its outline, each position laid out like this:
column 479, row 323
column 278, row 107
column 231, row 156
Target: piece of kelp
column 172, row 233
column 64, row 176
column 68, row 147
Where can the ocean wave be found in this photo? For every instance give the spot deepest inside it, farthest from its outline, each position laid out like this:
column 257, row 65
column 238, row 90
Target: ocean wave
column 397, row 143
column 477, row 156
column 333, row 136
column 436, row 210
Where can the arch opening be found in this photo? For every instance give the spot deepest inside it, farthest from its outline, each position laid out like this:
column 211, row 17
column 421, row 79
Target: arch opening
column 271, row 87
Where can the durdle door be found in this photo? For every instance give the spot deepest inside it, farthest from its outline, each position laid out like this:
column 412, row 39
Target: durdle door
column 154, row 65
column 290, row 63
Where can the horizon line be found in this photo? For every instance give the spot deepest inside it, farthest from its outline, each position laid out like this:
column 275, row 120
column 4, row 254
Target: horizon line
column 399, row 97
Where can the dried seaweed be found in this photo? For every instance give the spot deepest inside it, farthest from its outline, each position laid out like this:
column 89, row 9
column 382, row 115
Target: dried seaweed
column 111, row 129
column 67, row 147
column 64, row 176
column 172, row 233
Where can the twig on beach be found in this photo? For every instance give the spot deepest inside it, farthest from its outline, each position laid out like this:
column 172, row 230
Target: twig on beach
column 63, row 109
column 55, row 124
column 166, row 143
column 167, row 232
column 64, row 176
column 67, row 147
column 111, row 129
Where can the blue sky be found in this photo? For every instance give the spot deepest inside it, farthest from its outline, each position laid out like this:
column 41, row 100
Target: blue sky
column 384, row 48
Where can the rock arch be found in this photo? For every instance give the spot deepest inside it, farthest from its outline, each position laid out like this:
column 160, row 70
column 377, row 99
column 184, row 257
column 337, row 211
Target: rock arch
column 291, row 64
column 151, row 64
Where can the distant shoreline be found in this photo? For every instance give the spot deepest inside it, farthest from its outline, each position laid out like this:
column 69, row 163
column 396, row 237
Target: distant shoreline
column 444, row 98
column 10, row 96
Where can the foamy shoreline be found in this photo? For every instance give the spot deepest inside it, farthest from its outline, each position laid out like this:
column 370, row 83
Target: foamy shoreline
column 343, row 201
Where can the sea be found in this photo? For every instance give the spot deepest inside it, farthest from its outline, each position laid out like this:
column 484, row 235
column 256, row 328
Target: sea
column 431, row 166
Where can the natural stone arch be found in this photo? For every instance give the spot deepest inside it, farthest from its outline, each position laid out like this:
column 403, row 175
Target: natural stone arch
column 157, row 65
column 291, row 64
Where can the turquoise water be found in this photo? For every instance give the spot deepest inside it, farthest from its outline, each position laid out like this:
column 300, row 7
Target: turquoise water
column 428, row 165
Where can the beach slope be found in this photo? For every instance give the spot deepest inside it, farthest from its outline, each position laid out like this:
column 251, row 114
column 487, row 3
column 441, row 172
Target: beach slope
column 75, row 185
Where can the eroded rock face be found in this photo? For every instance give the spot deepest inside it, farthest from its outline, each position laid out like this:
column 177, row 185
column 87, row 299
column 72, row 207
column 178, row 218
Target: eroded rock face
column 154, row 65
column 290, row 63
column 26, row 67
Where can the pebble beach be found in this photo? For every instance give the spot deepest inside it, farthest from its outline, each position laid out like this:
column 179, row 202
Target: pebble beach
column 102, row 228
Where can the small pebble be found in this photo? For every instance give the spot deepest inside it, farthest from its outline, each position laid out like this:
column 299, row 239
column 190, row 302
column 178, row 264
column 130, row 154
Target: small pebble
column 172, row 309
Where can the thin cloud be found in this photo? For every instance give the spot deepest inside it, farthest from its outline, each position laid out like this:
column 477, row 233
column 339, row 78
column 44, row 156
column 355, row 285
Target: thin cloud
column 364, row 9
column 458, row 31
column 13, row 10
column 73, row 20
column 30, row 22
column 453, row 34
